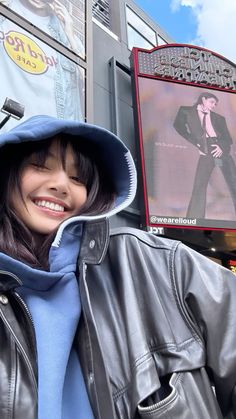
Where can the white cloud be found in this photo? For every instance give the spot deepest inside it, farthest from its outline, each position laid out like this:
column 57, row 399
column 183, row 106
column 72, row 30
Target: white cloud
column 216, row 24
column 176, row 4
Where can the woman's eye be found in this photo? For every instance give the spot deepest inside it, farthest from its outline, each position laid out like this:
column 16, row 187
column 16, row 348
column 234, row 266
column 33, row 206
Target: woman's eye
column 40, row 166
column 76, row 179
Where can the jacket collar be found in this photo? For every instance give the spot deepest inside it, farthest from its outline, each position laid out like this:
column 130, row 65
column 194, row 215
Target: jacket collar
column 93, row 249
column 8, row 281
column 94, row 241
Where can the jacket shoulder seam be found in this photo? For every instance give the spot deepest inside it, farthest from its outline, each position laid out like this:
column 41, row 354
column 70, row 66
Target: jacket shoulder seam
column 165, row 246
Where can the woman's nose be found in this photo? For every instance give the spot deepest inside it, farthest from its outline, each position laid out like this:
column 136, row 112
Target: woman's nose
column 60, row 182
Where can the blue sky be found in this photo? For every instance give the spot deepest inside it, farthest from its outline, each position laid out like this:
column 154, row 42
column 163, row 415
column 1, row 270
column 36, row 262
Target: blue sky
column 180, row 25
column 208, row 23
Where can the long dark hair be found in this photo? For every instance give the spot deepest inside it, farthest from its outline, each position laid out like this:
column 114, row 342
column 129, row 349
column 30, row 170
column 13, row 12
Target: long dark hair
column 16, row 240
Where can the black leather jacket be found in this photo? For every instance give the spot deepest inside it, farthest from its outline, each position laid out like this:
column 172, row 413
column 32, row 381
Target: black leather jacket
column 158, row 327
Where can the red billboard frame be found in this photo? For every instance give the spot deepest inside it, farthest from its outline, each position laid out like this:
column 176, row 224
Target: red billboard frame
column 165, row 72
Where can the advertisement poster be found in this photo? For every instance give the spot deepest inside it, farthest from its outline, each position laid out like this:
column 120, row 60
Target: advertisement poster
column 188, row 136
column 38, row 77
column 63, row 20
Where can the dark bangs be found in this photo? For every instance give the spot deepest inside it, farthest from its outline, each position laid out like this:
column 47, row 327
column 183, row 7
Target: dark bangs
column 84, row 163
column 91, row 172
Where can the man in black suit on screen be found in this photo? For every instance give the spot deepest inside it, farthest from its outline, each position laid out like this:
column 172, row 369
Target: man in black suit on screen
column 208, row 132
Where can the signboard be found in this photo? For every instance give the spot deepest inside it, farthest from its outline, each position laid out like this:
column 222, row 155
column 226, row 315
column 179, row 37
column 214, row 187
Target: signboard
column 37, row 76
column 186, row 113
column 63, row 20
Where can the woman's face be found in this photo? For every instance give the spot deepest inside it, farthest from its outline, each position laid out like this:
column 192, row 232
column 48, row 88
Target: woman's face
column 50, row 193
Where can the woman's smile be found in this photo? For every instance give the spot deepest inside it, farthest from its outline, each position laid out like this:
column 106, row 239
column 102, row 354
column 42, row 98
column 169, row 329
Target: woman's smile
column 50, row 203
column 50, row 193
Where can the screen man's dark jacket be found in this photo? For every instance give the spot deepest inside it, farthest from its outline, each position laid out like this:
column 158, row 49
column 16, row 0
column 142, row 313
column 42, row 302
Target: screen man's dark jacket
column 188, row 125
column 158, row 323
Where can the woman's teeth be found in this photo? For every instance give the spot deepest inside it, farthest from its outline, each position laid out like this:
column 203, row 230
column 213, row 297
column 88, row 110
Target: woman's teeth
column 50, row 205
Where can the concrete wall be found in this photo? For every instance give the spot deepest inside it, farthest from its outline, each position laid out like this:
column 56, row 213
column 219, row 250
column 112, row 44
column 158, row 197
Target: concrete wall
column 113, row 107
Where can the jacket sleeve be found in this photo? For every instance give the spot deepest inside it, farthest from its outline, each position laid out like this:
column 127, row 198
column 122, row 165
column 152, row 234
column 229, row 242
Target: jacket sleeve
column 206, row 294
column 181, row 125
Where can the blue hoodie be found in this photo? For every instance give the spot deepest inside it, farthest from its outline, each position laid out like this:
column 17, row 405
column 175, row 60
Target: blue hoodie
column 53, row 296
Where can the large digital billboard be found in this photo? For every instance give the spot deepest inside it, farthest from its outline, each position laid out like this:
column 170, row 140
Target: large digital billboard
column 187, row 136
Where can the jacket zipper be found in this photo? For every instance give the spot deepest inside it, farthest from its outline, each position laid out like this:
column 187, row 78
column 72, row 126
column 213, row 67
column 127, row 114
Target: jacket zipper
column 24, row 306
column 19, row 298
column 29, row 315
column 166, row 400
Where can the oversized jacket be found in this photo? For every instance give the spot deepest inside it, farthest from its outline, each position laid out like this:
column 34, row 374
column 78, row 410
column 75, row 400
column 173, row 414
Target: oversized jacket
column 157, row 335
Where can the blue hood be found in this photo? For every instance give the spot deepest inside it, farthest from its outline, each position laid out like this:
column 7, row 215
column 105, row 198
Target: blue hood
column 113, row 153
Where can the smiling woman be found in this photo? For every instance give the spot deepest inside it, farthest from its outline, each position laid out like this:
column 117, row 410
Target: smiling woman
column 48, row 182
column 56, row 176
column 51, row 191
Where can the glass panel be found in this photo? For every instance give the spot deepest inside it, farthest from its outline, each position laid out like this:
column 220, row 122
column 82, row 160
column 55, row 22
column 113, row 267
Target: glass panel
column 63, row 20
column 161, row 41
column 37, row 76
column 136, row 40
column 141, row 26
